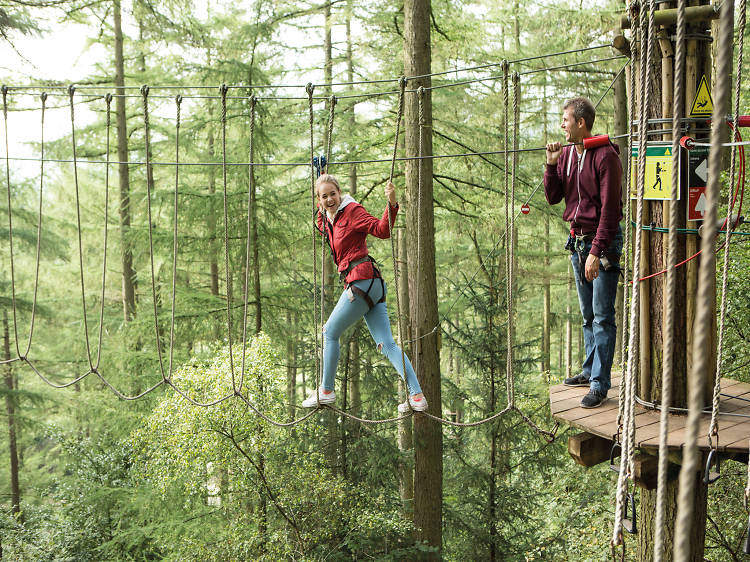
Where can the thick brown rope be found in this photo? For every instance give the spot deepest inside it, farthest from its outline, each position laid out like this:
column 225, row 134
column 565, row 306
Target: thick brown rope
column 228, row 273
column 629, row 378
column 399, row 116
column 250, row 207
column 714, row 427
column 71, row 94
column 705, row 308
column 667, row 364
column 175, row 223
column 310, row 88
column 108, row 101
column 149, row 181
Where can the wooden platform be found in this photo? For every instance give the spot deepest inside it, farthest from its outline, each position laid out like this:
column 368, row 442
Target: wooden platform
column 734, row 431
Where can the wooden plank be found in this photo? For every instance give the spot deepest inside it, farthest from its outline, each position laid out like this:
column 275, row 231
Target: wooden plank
column 588, row 449
column 734, row 431
column 648, row 436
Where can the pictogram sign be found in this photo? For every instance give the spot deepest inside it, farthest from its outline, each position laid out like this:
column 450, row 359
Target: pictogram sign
column 525, row 208
column 703, row 105
column 658, row 185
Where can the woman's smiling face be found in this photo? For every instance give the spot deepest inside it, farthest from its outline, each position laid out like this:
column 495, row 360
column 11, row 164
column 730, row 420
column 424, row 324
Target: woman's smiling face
column 329, row 197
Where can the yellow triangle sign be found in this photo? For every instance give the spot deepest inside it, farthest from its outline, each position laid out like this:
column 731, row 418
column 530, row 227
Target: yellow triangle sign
column 667, row 152
column 703, row 105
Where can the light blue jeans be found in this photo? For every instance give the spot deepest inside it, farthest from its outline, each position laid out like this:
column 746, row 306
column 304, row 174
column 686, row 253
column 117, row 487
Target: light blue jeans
column 347, row 311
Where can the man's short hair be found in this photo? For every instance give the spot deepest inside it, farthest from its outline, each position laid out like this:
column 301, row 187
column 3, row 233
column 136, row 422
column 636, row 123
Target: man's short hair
column 582, row 108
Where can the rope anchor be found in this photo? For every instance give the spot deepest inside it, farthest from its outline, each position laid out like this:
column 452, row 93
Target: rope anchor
column 630, row 525
column 709, row 476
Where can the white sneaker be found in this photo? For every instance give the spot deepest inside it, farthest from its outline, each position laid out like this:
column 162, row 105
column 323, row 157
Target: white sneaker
column 312, row 401
column 419, row 405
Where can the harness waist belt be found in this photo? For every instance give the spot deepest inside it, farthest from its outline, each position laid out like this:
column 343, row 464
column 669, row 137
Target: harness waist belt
column 352, row 265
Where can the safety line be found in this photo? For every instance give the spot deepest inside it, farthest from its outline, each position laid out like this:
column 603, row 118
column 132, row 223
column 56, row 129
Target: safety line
column 330, row 84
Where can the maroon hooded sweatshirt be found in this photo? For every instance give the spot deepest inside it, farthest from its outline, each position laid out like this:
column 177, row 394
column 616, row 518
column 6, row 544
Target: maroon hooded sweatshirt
column 593, row 206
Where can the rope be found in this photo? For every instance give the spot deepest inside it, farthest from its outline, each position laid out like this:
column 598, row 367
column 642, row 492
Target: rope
column 318, row 349
column 296, row 164
column 629, row 380
column 671, row 289
column 714, row 427
column 626, row 242
column 417, row 327
column 705, row 307
column 400, row 112
column 250, row 207
column 329, row 84
column 10, row 221
column 149, row 183
column 175, row 216
column 514, row 177
column 331, row 105
column 508, row 245
column 71, row 94
column 108, row 101
column 39, row 234
column 223, row 90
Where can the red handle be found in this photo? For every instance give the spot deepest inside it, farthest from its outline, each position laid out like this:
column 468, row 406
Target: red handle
column 687, row 142
column 593, row 142
column 743, row 121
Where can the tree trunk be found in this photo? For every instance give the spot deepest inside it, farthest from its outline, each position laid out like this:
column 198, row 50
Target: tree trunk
column 128, row 272
column 428, row 477
column 15, row 491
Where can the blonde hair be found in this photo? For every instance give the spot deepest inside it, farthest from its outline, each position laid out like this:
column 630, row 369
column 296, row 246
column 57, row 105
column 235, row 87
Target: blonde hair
column 326, row 178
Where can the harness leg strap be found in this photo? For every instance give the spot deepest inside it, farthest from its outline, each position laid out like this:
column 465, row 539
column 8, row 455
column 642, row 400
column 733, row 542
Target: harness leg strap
column 359, row 292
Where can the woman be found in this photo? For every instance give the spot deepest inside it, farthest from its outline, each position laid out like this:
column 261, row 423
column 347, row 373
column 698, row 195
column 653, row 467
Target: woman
column 346, row 224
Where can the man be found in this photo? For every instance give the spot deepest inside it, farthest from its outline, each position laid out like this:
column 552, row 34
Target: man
column 589, row 180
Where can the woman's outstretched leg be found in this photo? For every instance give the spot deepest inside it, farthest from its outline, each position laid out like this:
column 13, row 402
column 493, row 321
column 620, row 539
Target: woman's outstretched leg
column 380, row 330
column 347, row 311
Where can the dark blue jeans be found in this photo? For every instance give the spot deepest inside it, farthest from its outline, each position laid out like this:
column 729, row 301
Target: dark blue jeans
column 597, row 301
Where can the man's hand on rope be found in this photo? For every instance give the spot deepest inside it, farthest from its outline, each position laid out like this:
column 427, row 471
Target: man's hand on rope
column 592, row 267
column 554, row 149
column 390, row 193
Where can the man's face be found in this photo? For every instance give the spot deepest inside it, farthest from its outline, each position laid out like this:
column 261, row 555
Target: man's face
column 573, row 130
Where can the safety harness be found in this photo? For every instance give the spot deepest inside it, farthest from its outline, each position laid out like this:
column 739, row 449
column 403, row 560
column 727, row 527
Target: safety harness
column 577, row 243
column 365, row 295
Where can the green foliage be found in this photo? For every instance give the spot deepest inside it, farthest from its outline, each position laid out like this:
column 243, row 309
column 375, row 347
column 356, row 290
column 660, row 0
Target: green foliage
column 224, row 456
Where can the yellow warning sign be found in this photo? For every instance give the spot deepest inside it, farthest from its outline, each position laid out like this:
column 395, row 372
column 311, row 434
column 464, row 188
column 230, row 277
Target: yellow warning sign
column 658, row 183
column 703, row 105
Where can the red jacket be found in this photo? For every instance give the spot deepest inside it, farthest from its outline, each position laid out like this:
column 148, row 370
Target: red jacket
column 595, row 205
column 347, row 235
